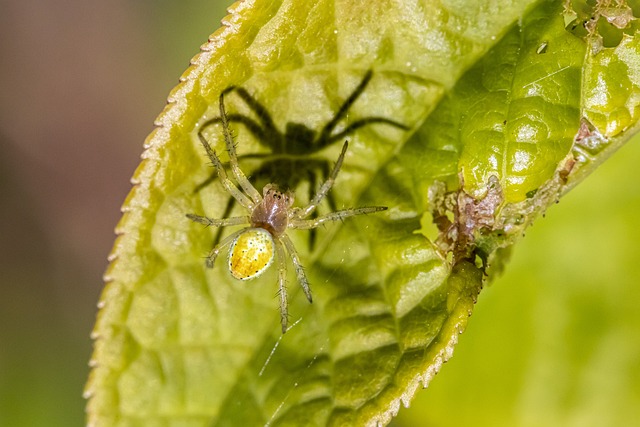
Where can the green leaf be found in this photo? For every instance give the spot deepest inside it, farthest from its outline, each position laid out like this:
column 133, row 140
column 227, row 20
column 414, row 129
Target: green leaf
column 551, row 342
column 508, row 110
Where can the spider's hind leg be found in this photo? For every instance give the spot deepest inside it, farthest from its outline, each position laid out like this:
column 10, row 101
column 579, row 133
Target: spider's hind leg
column 211, row 258
column 297, row 265
column 312, row 187
column 282, row 284
column 231, row 203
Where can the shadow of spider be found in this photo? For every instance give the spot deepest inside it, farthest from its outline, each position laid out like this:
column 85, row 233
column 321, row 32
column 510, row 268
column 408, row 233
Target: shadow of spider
column 290, row 160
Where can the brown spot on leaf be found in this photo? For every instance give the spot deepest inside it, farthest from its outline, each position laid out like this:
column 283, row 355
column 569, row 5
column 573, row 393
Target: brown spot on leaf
column 564, row 172
column 588, row 137
column 619, row 16
column 461, row 218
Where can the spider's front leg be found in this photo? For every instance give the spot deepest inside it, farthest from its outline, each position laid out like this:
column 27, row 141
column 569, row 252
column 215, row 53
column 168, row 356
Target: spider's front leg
column 224, row 179
column 241, row 178
column 306, row 224
column 222, row 222
column 264, row 131
column 325, row 188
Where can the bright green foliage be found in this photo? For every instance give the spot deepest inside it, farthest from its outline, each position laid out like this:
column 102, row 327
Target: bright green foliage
column 495, row 93
column 552, row 341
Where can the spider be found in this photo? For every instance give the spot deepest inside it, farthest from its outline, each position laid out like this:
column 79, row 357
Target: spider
column 254, row 247
column 290, row 160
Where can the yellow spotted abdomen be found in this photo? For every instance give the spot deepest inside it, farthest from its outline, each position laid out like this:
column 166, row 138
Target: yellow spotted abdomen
column 251, row 254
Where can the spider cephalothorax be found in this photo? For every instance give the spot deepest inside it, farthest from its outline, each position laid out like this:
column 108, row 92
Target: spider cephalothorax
column 272, row 212
column 264, row 237
column 292, row 156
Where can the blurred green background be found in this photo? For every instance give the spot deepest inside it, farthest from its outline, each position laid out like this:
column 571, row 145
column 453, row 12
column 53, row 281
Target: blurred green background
column 555, row 341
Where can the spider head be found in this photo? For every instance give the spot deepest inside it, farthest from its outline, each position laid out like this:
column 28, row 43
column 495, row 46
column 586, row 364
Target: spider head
column 284, row 198
column 272, row 213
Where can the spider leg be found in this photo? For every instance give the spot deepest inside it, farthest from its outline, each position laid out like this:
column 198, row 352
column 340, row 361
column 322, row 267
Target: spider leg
column 361, row 123
column 312, row 177
column 248, row 122
column 222, row 222
column 330, row 199
column 306, row 224
column 227, row 211
column 211, row 258
column 332, row 202
column 305, row 212
column 282, row 284
column 328, row 128
column 297, row 265
column 214, row 175
column 312, row 186
column 233, row 159
column 222, row 174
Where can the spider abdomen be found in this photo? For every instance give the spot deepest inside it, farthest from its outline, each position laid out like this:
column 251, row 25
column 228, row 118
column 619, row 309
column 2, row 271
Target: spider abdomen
column 251, row 254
